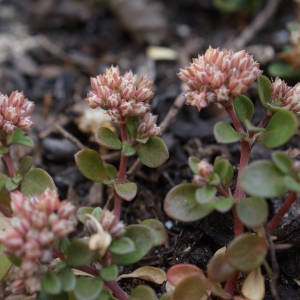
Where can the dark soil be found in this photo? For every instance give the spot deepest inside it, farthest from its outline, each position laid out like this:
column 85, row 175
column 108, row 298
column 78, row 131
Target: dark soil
column 50, row 49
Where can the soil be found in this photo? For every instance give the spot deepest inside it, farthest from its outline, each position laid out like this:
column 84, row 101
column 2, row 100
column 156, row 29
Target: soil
column 49, row 49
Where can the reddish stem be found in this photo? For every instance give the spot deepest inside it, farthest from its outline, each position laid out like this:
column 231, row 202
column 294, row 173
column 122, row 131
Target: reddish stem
column 122, row 174
column 265, row 120
column 282, row 211
column 8, row 160
column 222, row 191
column 234, row 119
column 230, row 284
column 5, row 211
column 117, row 291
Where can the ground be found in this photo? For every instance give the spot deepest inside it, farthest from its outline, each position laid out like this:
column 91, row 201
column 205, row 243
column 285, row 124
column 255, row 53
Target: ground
column 49, row 49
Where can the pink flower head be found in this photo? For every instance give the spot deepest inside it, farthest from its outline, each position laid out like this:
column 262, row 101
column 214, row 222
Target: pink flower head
column 218, row 76
column 286, row 96
column 205, row 171
column 120, row 96
column 14, row 111
column 147, row 127
column 111, row 224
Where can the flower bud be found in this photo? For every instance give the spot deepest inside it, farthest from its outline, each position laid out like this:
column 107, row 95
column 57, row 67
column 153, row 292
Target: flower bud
column 17, row 287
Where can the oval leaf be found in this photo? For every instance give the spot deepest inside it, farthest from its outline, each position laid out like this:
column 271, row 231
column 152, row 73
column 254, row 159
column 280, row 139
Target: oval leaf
column 4, row 150
column 283, row 162
column 243, row 107
column 254, row 285
column 78, row 253
column 127, row 149
column 51, row 283
column 225, row 134
column 122, row 245
column 154, row 153
column 181, row 204
column 90, row 164
column 107, row 138
column 224, row 205
column 279, row 130
column 252, row 211
column 142, row 292
column 111, row 171
column 193, row 161
column 192, row 288
column 67, row 279
column 205, row 194
column 35, row 182
column 247, row 252
column 126, row 191
column 82, row 212
column 263, row 179
column 18, row 137
column 25, row 164
column 178, row 273
column 218, row 268
column 159, row 230
column 143, row 239
column 264, row 90
column 88, row 288
column 109, row 273
column 291, row 184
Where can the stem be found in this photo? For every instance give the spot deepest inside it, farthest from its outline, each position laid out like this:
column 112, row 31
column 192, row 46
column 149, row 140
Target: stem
column 122, row 173
column 265, row 120
column 5, row 211
column 282, row 211
column 234, row 119
column 116, row 289
column 222, row 191
column 8, row 160
column 230, row 284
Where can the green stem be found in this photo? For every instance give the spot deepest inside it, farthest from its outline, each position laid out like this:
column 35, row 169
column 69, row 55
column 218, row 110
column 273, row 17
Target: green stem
column 122, row 173
column 8, row 160
column 291, row 198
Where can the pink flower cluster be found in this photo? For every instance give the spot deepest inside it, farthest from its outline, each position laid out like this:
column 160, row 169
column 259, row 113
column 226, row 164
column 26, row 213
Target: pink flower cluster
column 218, row 76
column 147, row 127
column 286, row 96
column 14, row 112
column 37, row 222
column 120, row 96
column 109, row 223
column 205, row 171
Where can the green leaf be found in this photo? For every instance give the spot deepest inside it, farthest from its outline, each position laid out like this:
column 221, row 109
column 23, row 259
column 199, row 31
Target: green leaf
column 154, row 153
column 88, row 288
column 15, row 261
column 283, row 70
column 181, row 204
column 275, row 108
column 63, row 245
column 97, row 212
column 283, row 162
column 225, row 134
column 107, row 138
column 3, row 179
column 224, row 205
column 111, row 171
column 142, row 292
column 252, row 211
column 264, row 90
column 5, row 199
column 122, row 245
column 67, row 279
column 127, row 149
column 263, row 179
column 90, row 164
column 160, row 232
column 215, row 179
column 4, row 150
column 109, row 273
column 35, row 182
column 193, row 161
column 143, row 239
column 253, row 129
column 191, row 288
column 17, row 177
column 5, row 263
column 18, row 138
column 126, row 191
column 105, row 295
column 291, row 184
column 218, row 268
column 143, row 140
column 247, row 252
column 78, row 253
column 51, row 283
column 243, row 107
column 224, row 169
column 25, row 164
column 205, row 194
column 279, row 130
column 131, row 125
column 82, row 211
column 10, row 185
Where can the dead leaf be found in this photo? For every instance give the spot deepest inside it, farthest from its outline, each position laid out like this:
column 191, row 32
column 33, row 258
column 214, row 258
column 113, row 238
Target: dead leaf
column 254, row 286
column 152, row 274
